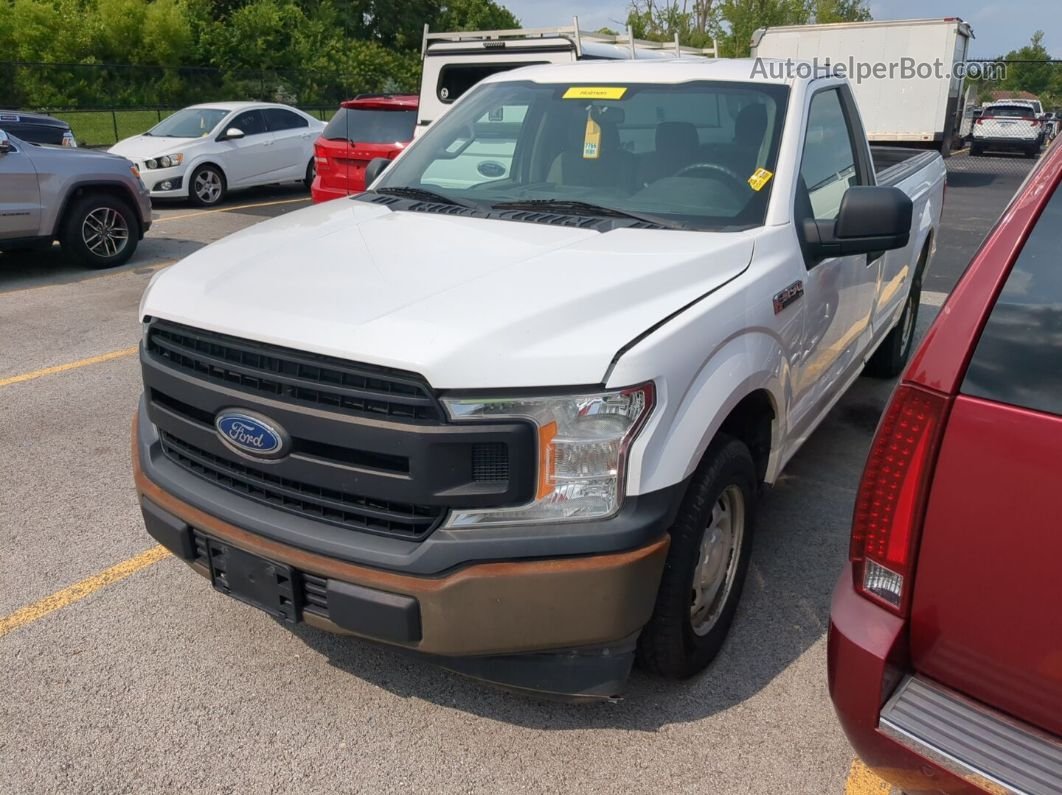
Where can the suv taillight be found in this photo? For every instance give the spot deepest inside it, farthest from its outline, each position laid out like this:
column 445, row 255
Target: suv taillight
column 892, row 496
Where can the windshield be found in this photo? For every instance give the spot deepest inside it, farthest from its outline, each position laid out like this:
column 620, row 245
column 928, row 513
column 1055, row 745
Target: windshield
column 696, row 155
column 363, row 126
column 189, row 123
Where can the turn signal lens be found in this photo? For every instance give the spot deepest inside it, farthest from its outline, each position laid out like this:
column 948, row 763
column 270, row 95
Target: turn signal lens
column 892, row 495
column 582, row 449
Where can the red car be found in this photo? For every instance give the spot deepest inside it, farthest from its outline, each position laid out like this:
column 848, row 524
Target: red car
column 945, row 645
column 366, row 127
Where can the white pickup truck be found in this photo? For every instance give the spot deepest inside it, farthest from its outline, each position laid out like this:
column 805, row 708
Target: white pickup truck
column 520, row 425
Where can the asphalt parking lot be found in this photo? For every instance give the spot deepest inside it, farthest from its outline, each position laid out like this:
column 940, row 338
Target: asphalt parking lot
column 125, row 672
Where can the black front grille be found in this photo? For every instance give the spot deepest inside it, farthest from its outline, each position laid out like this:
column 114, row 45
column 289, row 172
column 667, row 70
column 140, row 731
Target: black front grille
column 320, row 504
column 293, row 376
column 490, row 462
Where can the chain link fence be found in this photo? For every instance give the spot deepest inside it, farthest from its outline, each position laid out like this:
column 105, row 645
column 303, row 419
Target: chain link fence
column 104, row 103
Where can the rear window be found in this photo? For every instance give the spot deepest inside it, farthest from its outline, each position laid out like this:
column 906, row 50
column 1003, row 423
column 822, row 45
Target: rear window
column 456, row 78
column 1018, row 359
column 1010, row 112
column 375, row 126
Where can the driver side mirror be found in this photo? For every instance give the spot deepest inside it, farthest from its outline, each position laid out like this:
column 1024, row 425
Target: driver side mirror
column 5, row 143
column 871, row 220
column 233, row 134
column 376, row 167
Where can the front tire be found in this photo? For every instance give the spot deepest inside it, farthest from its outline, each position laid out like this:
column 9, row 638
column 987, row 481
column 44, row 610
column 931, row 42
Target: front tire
column 100, row 231
column 711, row 541
column 207, row 186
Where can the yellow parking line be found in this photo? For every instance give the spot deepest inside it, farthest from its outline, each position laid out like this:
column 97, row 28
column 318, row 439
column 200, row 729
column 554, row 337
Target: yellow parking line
column 80, row 590
column 864, row 781
column 62, row 368
column 165, row 218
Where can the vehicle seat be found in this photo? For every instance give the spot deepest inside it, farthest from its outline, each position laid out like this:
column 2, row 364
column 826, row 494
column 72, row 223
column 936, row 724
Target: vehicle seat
column 613, row 168
column 677, row 146
column 749, row 128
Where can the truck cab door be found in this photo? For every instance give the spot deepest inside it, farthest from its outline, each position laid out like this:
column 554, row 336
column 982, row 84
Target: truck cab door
column 840, row 292
column 20, row 197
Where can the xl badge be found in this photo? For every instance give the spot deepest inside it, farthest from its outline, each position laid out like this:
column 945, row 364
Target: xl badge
column 251, row 434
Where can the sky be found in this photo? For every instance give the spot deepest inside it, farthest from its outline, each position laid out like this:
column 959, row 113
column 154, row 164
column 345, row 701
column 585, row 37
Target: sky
column 998, row 26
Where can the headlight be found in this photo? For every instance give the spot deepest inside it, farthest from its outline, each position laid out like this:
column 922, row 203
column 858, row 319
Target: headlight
column 582, row 450
column 166, row 161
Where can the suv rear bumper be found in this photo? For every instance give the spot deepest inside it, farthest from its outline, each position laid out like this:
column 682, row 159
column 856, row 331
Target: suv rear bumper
column 920, row 736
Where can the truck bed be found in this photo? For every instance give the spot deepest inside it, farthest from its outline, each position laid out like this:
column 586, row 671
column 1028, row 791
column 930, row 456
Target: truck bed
column 893, row 164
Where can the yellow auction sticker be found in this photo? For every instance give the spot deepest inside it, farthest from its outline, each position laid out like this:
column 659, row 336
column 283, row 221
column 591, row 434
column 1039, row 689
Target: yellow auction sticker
column 595, row 92
column 759, row 178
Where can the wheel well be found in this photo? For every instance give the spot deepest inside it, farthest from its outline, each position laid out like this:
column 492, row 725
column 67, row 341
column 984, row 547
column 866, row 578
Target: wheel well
column 114, row 190
column 750, row 421
column 212, row 164
column 923, row 256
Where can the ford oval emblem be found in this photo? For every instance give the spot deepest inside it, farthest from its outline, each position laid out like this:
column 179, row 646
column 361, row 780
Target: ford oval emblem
column 251, row 434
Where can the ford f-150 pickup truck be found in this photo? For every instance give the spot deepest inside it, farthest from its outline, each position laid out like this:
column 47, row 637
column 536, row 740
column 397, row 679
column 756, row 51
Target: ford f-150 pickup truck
column 511, row 408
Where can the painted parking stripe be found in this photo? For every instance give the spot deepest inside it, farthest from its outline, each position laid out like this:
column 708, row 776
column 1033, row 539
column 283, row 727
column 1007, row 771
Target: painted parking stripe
column 80, row 590
column 864, row 781
column 166, row 218
column 933, row 299
column 62, row 368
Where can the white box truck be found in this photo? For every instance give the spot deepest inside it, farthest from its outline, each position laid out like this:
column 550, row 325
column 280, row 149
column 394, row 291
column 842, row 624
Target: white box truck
column 902, row 72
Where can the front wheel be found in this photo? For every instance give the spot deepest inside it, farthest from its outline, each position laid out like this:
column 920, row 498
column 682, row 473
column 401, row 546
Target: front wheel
column 711, row 541
column 100, row 231
column 207, row 186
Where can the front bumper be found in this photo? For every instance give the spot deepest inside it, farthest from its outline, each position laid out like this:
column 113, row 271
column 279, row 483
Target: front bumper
column 154, row 177
column 537, row 621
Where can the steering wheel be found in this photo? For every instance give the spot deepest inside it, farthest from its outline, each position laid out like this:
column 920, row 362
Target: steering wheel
column 736, row 180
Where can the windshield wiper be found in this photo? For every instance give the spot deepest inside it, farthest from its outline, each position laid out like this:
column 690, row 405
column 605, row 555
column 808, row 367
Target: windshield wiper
column 585, row 208
column 424, row 194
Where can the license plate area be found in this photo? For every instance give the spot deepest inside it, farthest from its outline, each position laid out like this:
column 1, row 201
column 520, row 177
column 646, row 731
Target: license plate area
column 256, row 581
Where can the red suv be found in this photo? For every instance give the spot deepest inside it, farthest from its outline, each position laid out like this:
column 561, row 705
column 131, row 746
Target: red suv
column 366, row 127
column 945, row 646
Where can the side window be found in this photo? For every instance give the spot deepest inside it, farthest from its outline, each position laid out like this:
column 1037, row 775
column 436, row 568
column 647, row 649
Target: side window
column 828, row 165
column 483, row 152
column 1018, row 359
column 250, row 122
column 279, row 120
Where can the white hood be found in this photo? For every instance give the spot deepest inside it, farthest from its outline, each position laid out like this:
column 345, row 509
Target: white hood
column 465, row 302
column 141, row 147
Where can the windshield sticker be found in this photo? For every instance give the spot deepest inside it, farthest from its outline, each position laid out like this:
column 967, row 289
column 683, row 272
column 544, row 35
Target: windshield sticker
column 595, row 92
column 591, row 140
column 759, row 178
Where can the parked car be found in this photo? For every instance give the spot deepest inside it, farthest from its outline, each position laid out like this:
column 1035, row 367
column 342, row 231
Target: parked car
column 93, row 203
column 519, row 422
column 203, row 152
column 946, row 633
column 364, row 128
column 1008, row 127
column 37, row 128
